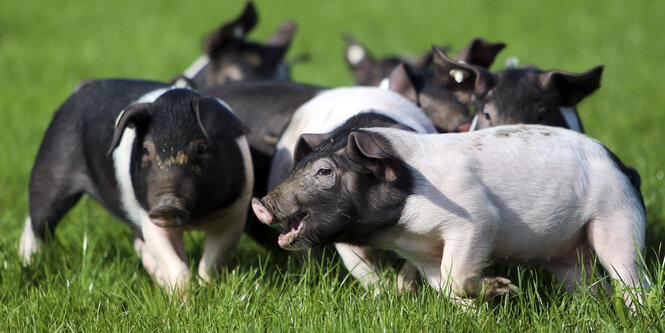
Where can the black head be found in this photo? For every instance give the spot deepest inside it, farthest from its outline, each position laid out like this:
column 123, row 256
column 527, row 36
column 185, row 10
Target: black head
column 350, row 183
column 185, row 161
column 233, row 58
column 516, row 95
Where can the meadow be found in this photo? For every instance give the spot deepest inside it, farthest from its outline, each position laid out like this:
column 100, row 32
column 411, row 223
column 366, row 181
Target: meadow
column 90, row 279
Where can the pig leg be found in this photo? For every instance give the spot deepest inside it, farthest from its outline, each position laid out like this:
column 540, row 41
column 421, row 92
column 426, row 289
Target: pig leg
column 465, row 253
column 167, row 257
column 218, row 245
column 570, row 276
column 407, row 278
column 50, row 199
column 359, row 260
column 149, row 262
column 617, row 238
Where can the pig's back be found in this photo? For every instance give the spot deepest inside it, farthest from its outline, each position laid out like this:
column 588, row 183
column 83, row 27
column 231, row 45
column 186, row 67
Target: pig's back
column 548, row 179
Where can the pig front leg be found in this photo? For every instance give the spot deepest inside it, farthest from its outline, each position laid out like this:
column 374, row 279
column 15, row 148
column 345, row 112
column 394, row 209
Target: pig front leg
column 359, row 260
column 164, row 257
column 465, row 253
column 220, row 240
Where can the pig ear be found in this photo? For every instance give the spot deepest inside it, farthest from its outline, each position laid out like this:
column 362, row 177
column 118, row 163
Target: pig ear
column 406, row 83
column 134, row 115
column 356, row 55
column 572, row 88
column 369, row 151
column 463, row 80
column 424, row 60
column 234, row 30
column 216, row 119
column 283, row 36
column 306, row 144
column 480, row 52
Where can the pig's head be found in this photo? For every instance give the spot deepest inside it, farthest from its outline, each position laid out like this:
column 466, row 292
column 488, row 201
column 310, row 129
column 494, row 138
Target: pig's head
column 515, row 95
column 233, row 58
column 422, row 88
column 185, row 162
column 343, row 186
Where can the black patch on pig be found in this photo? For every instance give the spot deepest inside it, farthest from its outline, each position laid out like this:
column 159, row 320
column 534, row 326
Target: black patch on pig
column 632, row 175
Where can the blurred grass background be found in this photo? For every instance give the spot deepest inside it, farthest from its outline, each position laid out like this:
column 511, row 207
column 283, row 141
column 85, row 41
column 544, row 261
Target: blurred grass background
column 47, row 47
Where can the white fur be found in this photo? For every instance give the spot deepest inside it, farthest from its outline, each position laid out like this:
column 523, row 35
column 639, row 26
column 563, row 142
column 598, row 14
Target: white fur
column 524, row 193
column 29, row 243
column 570, row 115
column 198, row 65
column 355, row 54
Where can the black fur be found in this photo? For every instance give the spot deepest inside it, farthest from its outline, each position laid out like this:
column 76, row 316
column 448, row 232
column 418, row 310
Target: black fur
column 632, row 175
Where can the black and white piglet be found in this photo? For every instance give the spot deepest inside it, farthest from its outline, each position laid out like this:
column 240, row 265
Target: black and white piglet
column 162, row 159
column 229, row 56
column 515, row 193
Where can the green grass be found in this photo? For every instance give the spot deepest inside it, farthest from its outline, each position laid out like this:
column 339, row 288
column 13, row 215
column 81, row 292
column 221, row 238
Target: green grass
column 47, row 47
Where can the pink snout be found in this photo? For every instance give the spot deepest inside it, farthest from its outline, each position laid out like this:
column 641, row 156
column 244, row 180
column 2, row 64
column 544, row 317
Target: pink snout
column 262, row 213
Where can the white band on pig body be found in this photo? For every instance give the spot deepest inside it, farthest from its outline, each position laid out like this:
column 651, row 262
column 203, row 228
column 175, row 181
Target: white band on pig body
column 570, row 116
column 458, row 74
column 198, row 65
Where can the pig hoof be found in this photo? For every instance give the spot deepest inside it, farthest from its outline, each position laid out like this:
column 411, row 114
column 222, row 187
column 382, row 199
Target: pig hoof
column 497, row 286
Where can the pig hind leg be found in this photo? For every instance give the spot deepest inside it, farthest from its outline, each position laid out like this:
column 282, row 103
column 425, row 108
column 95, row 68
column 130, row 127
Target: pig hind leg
column 617, row 238
column 52, row 195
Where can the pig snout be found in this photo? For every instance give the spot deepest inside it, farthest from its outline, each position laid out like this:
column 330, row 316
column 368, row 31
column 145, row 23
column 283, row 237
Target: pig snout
column 169, row 213
column 262, row 213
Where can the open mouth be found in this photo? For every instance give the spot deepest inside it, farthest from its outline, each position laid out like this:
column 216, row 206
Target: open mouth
column 292, row 229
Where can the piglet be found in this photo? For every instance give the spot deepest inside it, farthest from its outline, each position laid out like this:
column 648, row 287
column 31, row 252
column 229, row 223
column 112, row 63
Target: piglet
column 521, row 193
column 163, row 160
column 229, row 56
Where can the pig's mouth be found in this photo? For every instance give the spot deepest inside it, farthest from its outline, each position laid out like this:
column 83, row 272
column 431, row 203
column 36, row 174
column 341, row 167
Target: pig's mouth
column 293, row 227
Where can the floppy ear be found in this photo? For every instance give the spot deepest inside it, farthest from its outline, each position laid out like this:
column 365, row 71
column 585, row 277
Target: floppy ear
column 306, row 144
column 406, row 83
column 369, row 151
column 572, row 88
column 134, row 115
column 480, row 52
column 234, row 30
column 216, row 120
column 463, row 80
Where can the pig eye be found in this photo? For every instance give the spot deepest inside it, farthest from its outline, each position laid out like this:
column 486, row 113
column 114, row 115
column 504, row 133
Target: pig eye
column 201, row 148
column 145, row 150
column 487, row 115
column 323, row 172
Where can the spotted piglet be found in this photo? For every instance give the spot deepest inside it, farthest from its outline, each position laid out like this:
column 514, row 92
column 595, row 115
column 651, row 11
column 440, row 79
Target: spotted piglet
column 520, row 193
column 164, row 160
